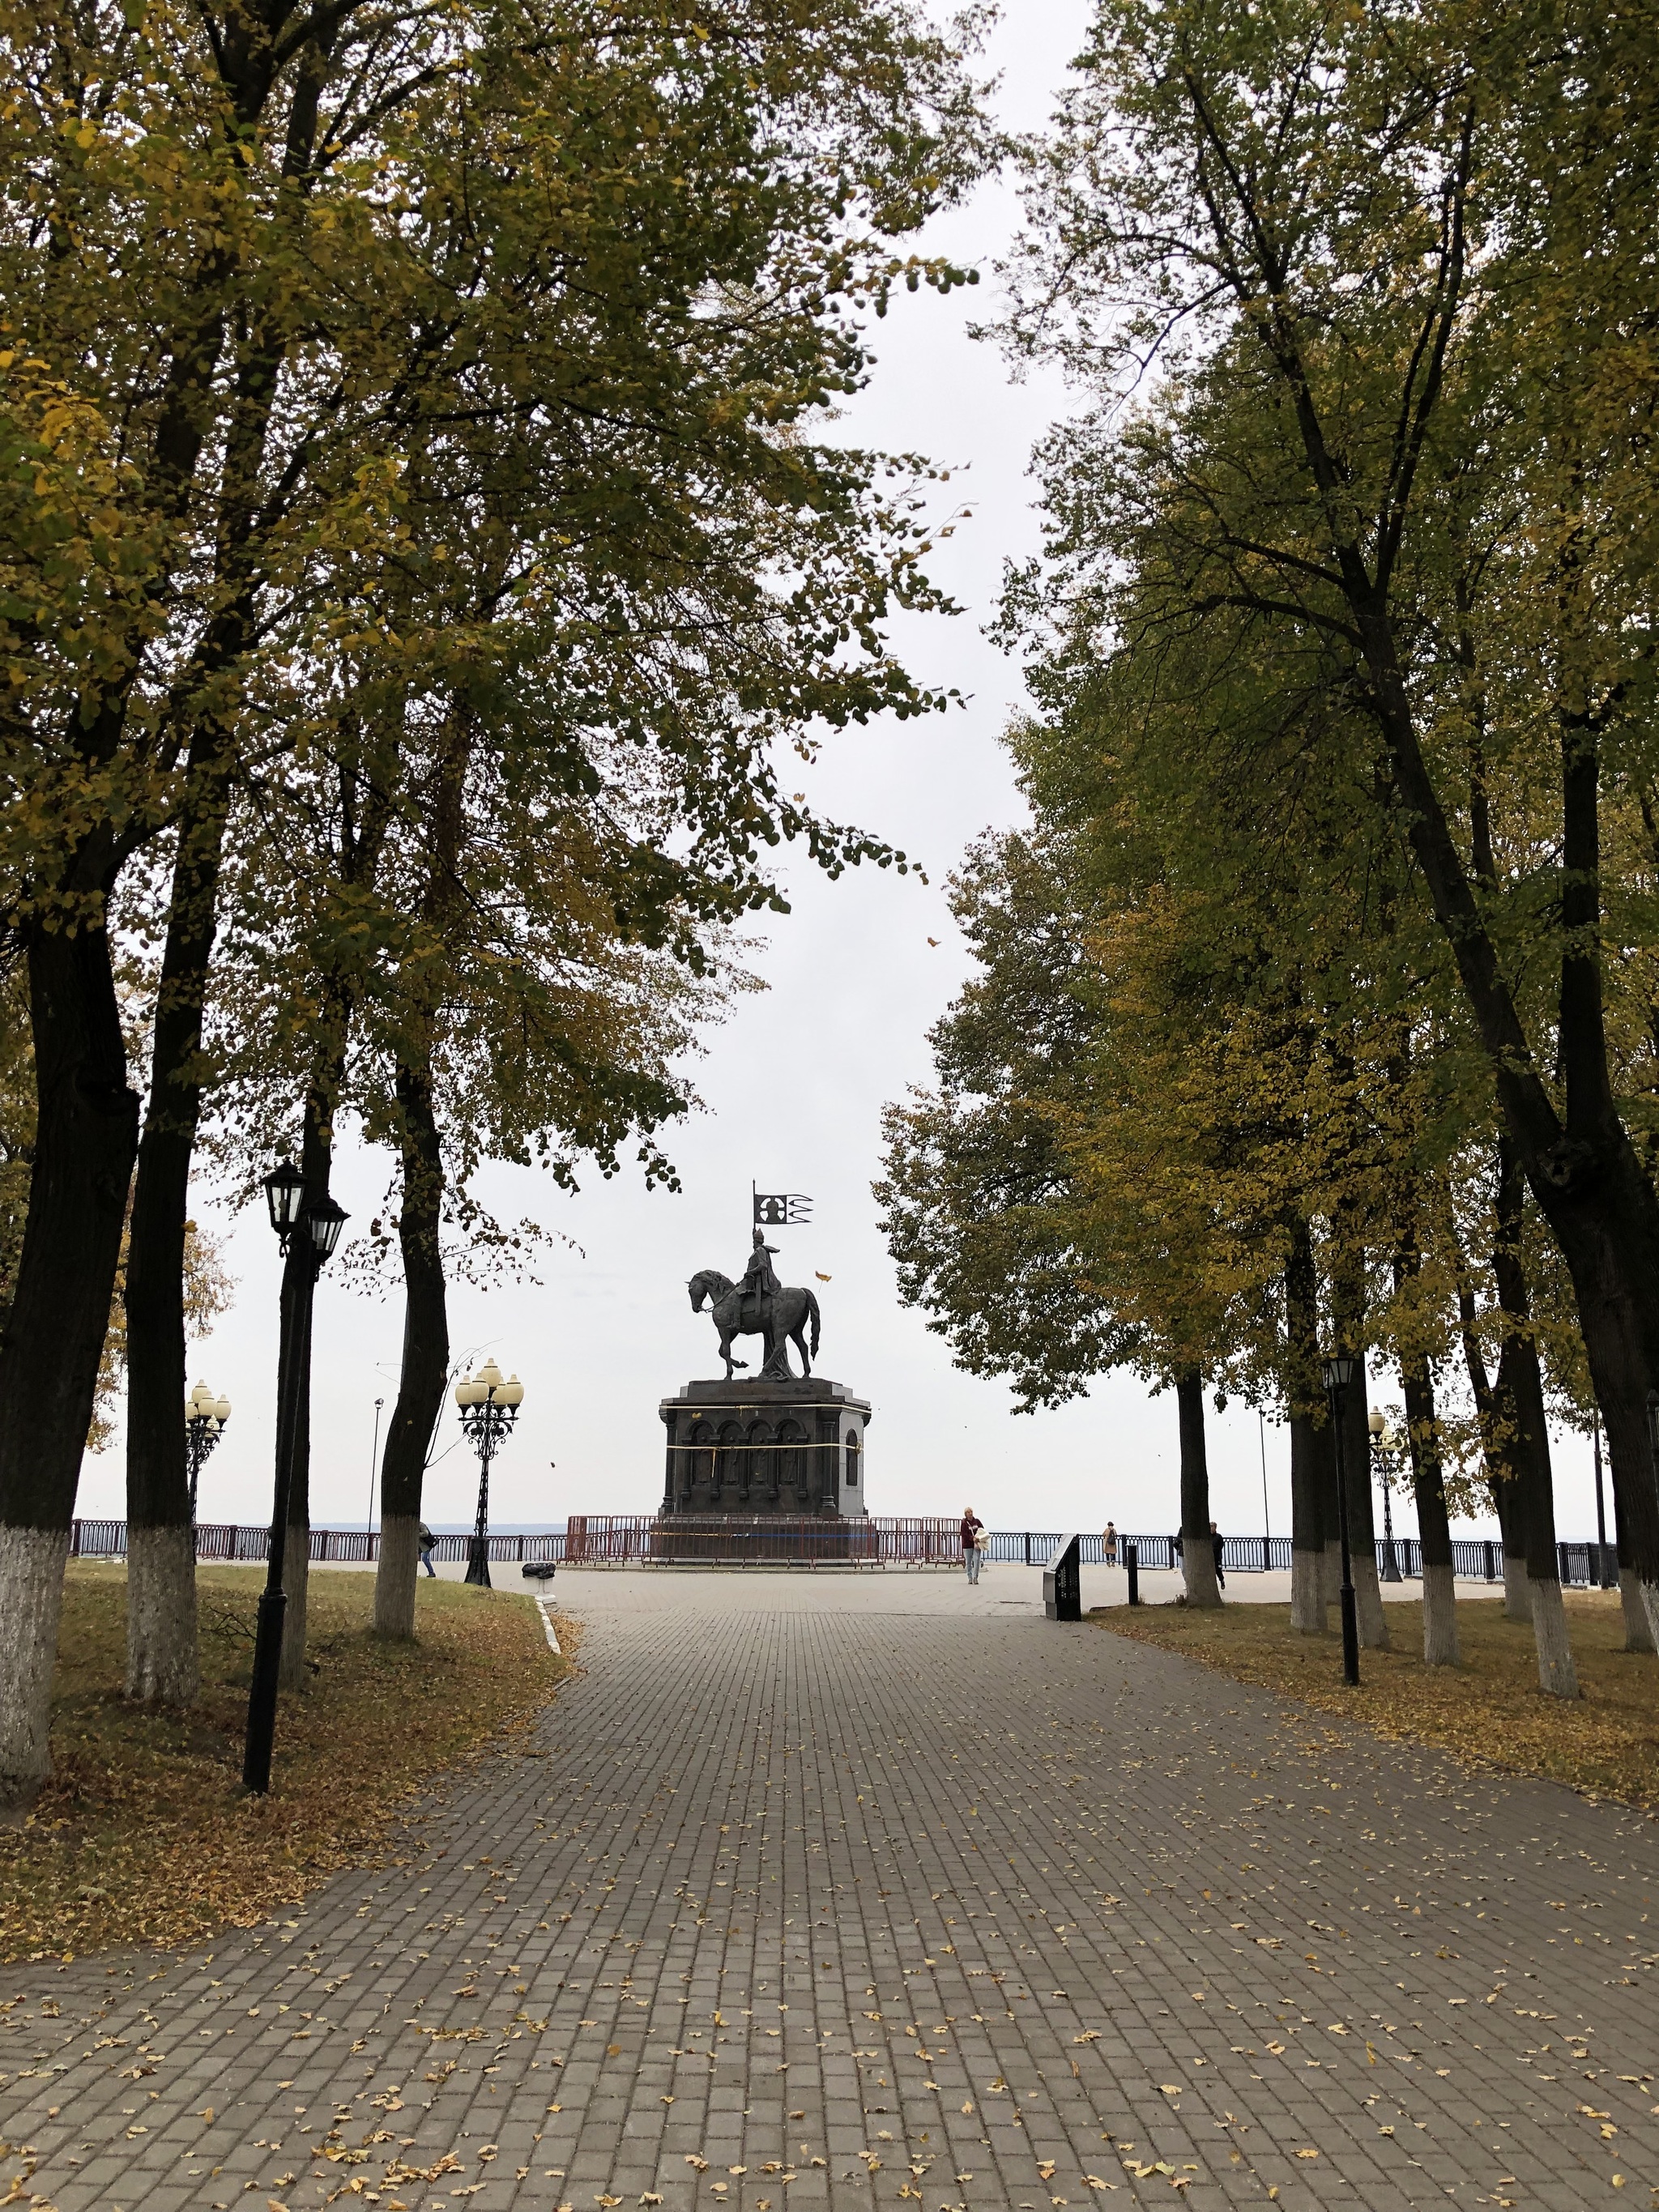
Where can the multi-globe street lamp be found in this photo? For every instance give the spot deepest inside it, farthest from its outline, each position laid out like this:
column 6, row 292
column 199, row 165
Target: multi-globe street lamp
column 204, row 1420
column 307, row 1235
column 1385, row 1447
column 489, row 1408
column 1339, row 1372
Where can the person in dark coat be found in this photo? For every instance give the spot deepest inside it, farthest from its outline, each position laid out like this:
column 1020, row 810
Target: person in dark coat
column 972, row 1558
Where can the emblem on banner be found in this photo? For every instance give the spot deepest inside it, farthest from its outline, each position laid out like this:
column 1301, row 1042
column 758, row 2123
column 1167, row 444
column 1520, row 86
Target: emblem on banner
column 783, row 1209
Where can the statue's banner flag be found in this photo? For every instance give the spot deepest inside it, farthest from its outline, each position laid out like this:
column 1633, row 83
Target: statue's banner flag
column 781, row 1209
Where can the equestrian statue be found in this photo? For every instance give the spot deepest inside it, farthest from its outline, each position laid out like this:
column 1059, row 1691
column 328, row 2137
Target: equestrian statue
column 759, row 1306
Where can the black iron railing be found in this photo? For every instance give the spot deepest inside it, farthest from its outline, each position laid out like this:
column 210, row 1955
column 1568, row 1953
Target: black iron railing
column 107, row 1540
column 619, row 1539
column 1473, row 1558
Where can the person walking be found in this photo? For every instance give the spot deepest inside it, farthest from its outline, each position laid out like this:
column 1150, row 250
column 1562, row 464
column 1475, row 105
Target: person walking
column 426, row 1541
column 973, row 1557
column 1109, row 1544
column 1219, row 1541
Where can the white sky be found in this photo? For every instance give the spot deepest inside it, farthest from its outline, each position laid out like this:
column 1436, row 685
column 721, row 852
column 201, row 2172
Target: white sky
column 854, row 987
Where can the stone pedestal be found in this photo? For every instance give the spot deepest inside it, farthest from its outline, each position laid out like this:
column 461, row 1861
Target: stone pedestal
column 793, row 1451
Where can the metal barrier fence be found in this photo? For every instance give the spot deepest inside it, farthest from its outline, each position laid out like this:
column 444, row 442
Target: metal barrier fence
column 107, row 1540
column 736, row 1538
column 1475, row 1559
column 619, row 1539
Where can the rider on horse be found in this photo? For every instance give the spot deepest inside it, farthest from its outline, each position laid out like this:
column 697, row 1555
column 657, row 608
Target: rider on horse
column 759, row 1280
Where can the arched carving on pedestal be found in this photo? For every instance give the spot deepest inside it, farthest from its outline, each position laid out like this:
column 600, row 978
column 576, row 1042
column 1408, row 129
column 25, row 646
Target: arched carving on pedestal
column 793, row 1485
column 699, row 1474
column 756, row 1470
column 722, row 1488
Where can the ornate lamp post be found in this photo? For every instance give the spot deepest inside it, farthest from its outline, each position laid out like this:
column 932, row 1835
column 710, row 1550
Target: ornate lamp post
column 1384, row 1445
column 1339, row 1371
column 204, row 1419
column 489, row 1406
column 307, row 1235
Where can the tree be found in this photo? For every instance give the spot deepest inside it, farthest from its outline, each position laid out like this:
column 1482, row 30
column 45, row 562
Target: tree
column 331, row 258
column 503, row 1006
column 1339, row 223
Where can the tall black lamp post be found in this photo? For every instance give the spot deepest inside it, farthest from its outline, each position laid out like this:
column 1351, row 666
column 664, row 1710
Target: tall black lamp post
column 489, row 1406
column 1383, row 1445
column 204, row 1420
column 307, row 1235
column 1339, row 1371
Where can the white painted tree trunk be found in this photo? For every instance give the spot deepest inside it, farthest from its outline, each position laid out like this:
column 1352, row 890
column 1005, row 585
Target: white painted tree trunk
column 296, row 1569
column 1198, row 1571
column 1368, row 1602
column 1556, row 1672
column 1308, row 1601
column 31, row 1601
column 1440, row 1647
column 1651, row 1607
column 1517, row 1591
column 162, row 1665
column 1638, row 1635
column 395, row 1577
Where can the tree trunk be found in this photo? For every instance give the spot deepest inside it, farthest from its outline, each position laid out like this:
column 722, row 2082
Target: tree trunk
column 1638, row 1637
column 1197, row 1540
column 1638, row 1630
column 316, row 1164
column 1583, row 1170
column 1309, row 1601
column 86, row 1135
column 161, row 1661
column 1348, row 1318
column 31, row 1601
column 161, row 1642
column 1500, row 1482
column 1520, row 1391
column 296, row 1585
column 1440, row 1645
column 1309, row 1441
column 1362, row 1522
column 1512, row 1527
column 161, row 1652
column 425, row 1368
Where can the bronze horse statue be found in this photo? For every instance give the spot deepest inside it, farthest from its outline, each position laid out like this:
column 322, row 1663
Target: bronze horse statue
column 782, row 1315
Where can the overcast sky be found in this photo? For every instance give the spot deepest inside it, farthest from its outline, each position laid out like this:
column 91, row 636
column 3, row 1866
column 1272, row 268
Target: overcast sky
column 793, row 1084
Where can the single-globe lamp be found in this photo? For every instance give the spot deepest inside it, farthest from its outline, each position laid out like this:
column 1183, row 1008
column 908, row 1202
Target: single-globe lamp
column 325, row 1221
column 284, row 1189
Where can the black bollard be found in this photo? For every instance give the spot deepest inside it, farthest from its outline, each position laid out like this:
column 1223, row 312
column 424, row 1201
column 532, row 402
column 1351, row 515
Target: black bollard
column 1131, row 1561
column 1062, row 1584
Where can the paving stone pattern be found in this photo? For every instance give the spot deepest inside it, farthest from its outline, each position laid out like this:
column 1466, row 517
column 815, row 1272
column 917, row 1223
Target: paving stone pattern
column 826, row 1902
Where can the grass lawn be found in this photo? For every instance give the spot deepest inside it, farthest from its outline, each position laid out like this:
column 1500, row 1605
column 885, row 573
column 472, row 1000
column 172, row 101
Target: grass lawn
column 144, row 1834
column 1490, row 1709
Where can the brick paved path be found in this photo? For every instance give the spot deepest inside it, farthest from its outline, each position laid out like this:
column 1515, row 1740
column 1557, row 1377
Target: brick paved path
column 845, row 1898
